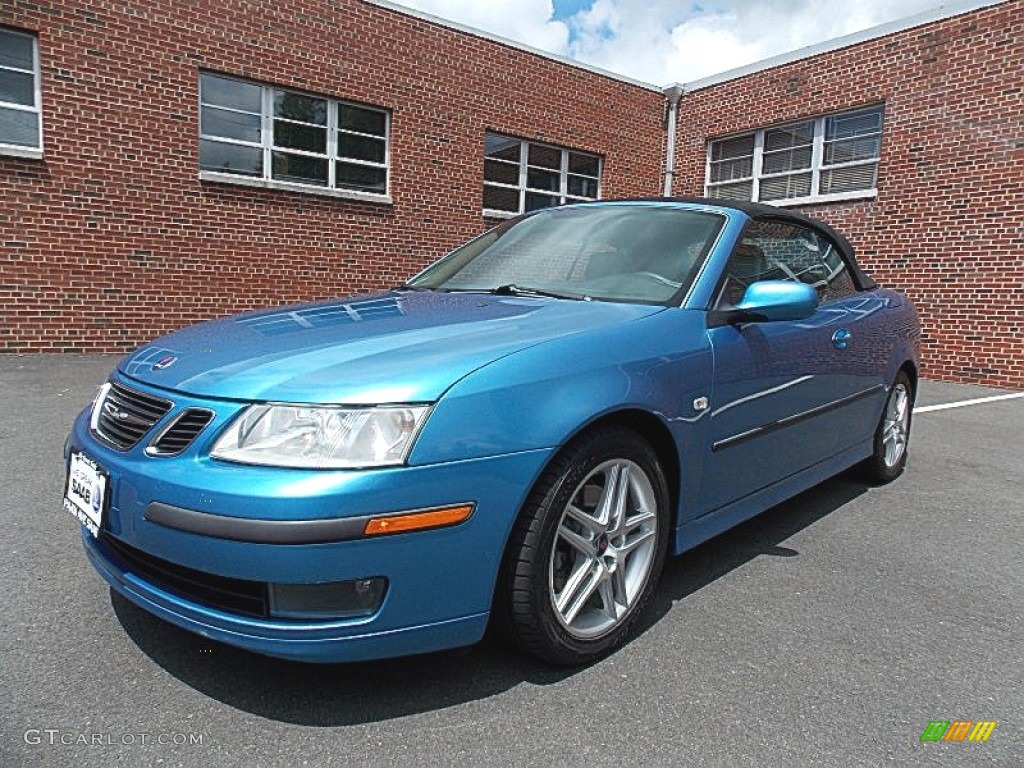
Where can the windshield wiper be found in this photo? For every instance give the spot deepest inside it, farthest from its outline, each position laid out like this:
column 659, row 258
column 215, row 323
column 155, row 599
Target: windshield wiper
column 408, row 287
column 511, row 289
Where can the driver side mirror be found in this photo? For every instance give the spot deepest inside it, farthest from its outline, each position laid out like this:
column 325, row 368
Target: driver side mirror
column 769, row 301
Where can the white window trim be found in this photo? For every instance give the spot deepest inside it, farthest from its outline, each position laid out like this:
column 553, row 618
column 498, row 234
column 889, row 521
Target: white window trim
column 267, row 147
column 524, row 167
column 817, row 165
column 20, row 150
column 834, row 197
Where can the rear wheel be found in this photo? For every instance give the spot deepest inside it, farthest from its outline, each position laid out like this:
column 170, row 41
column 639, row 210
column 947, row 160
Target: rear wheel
column 892, row 436
column 587, row 549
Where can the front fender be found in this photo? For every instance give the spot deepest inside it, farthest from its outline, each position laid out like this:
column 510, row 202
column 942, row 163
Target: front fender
column 540, row 397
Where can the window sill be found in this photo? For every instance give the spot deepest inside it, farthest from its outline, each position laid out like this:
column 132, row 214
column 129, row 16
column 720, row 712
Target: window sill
column 27, row 153
column 284, row 186
column 489, row 213
column 838, row 197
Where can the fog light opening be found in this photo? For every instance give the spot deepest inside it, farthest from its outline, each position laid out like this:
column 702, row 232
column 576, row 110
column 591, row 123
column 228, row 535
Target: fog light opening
column 352, row 599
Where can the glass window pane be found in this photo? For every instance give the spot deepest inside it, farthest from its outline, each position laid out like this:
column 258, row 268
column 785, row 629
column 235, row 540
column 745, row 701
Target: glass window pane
column 839, row 287
column 787, row 160
column 226, row 92
column 545, row 180
column 727, row 170
column 588, row 165
column 848, row 150
column 295, row 106
column 535, row 201
column 503, row 173
column 582, row 187
column 20, row 128
column 361, row 148
column 789, row 136
column 502, row 147
column 17, row 88
column 853, row 124
column 361, row 177
column 16, row 50
column 849, row 179
column 243, row 126
column 362, row 120
column 299, row 168
column 230, row 158
column 740, row 146
column 501, row 199
column 830, row 256
column 305, row 137
column 784, row 187
column 743, row 190
column 545, row 157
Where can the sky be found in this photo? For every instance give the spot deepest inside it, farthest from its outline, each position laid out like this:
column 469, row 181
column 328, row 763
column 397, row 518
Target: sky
column 667, row 41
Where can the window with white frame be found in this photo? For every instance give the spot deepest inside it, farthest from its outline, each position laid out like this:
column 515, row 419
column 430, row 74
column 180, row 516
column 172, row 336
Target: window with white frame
column 251, row 132
column 21, row 124
column 834, row 157
column 524, row 176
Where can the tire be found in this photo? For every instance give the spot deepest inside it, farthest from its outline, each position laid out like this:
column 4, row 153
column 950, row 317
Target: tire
column 587, row 549
column 892, row 435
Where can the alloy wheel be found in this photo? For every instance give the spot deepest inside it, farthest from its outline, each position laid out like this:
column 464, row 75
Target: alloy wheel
column 604, row 549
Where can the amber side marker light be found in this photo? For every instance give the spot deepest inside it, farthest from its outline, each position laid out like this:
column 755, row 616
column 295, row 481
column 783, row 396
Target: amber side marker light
column 418, row 521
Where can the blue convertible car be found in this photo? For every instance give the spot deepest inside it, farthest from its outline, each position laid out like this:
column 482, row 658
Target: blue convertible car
column 520, row 434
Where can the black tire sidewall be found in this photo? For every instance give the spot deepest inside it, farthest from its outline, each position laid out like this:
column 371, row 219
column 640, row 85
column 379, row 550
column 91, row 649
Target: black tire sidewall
column 574, row 464
column 878, row 470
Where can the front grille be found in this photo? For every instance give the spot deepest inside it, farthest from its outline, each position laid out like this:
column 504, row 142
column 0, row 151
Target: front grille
column 179, row 434
column 125, row 416
column 230, row 595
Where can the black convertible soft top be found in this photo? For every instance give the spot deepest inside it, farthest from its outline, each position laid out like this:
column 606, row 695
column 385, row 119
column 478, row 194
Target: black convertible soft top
column 770, row 212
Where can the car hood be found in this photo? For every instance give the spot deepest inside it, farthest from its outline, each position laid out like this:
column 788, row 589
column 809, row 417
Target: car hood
column 393, row 347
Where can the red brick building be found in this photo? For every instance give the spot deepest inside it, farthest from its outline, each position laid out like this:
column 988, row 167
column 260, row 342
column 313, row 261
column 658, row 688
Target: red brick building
column 165, row 162
column 945, row 222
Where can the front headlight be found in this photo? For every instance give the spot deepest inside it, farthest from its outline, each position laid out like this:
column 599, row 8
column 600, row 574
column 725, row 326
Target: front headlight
column 321, row 437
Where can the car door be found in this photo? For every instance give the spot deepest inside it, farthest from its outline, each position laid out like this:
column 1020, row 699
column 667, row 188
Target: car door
column 786, row 394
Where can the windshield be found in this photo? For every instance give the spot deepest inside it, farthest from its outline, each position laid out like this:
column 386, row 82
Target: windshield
column 636, row 253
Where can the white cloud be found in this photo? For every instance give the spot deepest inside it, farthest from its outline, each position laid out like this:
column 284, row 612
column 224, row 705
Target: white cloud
column 663, row 41
column 631, row 37
column 525, row 21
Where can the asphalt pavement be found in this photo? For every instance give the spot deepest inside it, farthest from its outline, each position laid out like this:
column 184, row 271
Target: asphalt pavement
column 829, row 631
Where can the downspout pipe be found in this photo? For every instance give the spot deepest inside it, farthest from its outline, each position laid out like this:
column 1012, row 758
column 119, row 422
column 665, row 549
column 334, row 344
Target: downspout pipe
column 673, row 93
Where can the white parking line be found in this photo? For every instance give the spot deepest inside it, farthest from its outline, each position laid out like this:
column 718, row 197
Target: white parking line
column 962, row 403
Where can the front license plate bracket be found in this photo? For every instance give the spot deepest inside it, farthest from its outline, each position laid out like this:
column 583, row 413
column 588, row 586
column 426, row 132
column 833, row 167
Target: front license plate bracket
column 85, row 495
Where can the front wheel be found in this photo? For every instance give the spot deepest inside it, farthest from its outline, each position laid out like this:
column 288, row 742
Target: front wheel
column 892, row 435
column 587, row 549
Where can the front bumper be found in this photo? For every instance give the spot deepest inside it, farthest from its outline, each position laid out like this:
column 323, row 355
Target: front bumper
column 440, row 581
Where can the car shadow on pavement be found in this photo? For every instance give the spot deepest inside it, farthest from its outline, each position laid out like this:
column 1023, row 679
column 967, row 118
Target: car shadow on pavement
column 350, row 694
column 762, row 535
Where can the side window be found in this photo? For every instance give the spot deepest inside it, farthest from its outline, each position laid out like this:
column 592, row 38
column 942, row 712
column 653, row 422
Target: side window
column 21, row 132
column 280, row 136
column 773, row 250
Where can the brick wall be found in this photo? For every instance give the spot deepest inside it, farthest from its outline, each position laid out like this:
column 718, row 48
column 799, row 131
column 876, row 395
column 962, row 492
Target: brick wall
column 947, row 226
column 112, row 239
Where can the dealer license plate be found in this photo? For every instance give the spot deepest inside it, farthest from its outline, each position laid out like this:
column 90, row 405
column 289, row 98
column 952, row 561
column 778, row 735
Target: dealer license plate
column 86, row 492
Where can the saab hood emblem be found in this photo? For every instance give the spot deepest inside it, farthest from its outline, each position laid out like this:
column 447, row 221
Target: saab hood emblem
column 164, row 362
